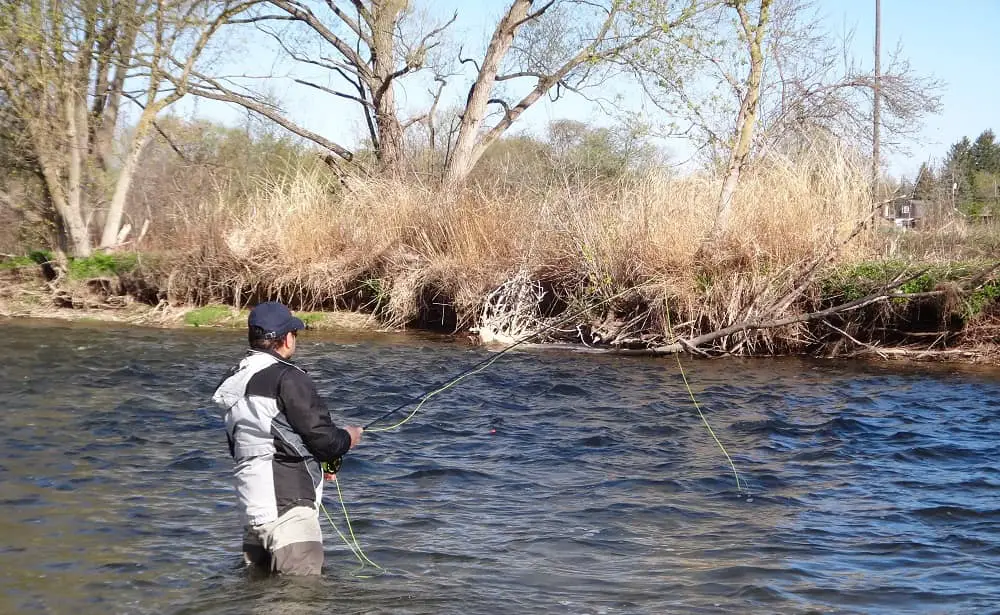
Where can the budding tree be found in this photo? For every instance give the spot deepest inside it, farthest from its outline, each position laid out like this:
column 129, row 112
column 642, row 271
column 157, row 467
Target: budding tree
column 66, row 69
column 807, row 82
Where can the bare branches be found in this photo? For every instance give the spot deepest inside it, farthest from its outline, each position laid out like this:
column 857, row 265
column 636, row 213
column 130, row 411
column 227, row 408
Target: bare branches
column 370, row 45
column 351, row 23
column 306, row 16
column 810, row 84
column 545, row 55
column 357, row 99
column 207, row 87
column 537, row 14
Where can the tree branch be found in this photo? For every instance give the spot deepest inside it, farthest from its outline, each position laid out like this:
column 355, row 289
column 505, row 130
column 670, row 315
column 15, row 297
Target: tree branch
column 307, row 17
column 535, row 15
column 351, row 22
column 360, row 101
column 215, row 91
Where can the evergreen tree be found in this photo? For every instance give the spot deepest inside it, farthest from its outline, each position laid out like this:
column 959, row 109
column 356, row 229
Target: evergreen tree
column 985, row 153
column 958, row 172
column 924, row 189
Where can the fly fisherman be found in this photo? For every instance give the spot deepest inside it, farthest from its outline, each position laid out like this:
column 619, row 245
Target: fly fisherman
column 279, row 431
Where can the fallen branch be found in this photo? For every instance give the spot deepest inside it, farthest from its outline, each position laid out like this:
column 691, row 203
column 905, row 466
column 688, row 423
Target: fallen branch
column 870, row 347
column 885, row 293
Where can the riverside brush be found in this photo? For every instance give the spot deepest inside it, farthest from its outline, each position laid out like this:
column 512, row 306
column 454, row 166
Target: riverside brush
column 330, row 469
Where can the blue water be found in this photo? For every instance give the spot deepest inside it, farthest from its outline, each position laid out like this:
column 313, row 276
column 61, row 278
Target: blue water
column 554, row 482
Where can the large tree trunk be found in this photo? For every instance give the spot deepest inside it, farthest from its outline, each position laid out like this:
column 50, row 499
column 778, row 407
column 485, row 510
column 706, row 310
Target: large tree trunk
column 464, row 155
column 390, row 131
column 72, row 213
column 73, row 225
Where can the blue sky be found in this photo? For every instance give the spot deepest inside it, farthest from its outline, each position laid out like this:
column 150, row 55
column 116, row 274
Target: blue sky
column 955, row 41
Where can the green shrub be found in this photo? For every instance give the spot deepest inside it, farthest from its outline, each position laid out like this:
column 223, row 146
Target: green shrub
column 101, row 265
column 857, row 280
column 981, row 299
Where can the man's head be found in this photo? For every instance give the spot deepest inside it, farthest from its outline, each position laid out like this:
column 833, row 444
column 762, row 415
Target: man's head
column 272, row 327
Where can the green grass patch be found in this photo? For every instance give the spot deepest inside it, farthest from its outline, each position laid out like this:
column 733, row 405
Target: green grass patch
column 310, row 318
column 215, row 316
column 31, row 259
column 857, row 280
column 17, row 262
column 101, row 265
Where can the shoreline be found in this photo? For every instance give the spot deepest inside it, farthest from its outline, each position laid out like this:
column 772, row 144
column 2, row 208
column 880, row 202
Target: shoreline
column 164, row 316
column 220, row 317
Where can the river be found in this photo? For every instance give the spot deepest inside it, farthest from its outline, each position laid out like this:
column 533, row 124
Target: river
column 554, row 482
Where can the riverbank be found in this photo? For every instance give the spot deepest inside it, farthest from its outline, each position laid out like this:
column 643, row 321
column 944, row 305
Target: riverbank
column 971, row 321
column 24, row 297
column 807, row 267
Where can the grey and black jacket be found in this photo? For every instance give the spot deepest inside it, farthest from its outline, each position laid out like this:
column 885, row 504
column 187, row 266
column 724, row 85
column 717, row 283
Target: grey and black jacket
column 279, row 431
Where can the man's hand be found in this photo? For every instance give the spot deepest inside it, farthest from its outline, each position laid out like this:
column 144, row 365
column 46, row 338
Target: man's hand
column 355, row 432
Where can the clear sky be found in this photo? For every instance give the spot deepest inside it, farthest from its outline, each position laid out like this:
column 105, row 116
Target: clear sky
column 957, row 42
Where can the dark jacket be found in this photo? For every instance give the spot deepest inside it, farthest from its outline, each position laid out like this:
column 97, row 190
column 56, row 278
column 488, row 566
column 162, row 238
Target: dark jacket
column 279, row 431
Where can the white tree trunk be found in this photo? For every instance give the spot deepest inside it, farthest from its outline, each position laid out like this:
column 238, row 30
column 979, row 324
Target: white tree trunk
column 113, row 221
column 746, row 119
column 464, row 155
column 69, row 204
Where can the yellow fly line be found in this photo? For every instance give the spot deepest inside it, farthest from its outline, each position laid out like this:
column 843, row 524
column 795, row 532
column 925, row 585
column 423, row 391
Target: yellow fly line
column 353, row 544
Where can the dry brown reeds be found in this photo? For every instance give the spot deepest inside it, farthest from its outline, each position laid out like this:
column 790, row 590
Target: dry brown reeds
column 410, row 253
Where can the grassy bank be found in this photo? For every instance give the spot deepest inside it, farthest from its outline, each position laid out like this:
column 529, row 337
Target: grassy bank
column 506, row 258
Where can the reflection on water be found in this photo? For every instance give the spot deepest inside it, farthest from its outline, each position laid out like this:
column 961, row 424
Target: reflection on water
column 555, row 482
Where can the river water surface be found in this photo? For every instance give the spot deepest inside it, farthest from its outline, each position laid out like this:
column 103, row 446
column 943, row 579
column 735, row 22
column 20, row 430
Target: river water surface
column 553, row 482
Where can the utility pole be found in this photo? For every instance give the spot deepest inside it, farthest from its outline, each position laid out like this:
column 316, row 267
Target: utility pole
column 876, row 111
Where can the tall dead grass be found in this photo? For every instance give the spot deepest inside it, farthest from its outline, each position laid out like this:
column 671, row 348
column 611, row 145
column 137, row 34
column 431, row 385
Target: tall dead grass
column 411, row 253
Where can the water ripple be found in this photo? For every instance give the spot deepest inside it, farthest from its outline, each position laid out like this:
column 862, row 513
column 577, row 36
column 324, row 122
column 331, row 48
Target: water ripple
column 555, row 482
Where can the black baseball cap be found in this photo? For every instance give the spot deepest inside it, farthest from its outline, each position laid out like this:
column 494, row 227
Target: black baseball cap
column 274, row 318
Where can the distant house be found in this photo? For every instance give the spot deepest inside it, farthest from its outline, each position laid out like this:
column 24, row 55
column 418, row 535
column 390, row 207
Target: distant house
column 906, row 213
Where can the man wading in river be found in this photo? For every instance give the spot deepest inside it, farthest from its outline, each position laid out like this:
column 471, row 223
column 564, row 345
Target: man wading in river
column 279, row 432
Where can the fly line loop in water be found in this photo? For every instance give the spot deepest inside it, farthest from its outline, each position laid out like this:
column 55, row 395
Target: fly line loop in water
column 332, row 468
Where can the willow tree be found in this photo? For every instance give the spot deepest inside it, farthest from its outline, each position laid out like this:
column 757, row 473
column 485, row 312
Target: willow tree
column 66, row 69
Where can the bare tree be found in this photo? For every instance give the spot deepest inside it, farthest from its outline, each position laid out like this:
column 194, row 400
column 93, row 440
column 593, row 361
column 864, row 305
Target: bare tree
column 752, row 34
column 65, row 68
column 178, row 37
column 810, row 85
column 363, row 48
column 554, row 46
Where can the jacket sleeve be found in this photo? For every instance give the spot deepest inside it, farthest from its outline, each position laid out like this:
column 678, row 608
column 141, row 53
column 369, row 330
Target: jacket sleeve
column 308, row 416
